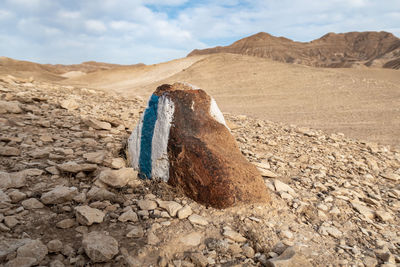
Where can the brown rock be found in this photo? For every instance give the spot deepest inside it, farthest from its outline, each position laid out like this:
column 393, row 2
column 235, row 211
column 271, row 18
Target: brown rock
column 204, row 159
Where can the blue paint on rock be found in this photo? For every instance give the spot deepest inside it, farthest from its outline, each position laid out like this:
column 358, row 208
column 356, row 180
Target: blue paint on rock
column 149, row 121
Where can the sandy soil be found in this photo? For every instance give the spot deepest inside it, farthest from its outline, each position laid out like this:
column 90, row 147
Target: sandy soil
column 362, row 103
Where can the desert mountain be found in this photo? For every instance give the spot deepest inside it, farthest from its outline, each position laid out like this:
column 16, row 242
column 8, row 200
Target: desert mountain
column 56, row 72
column 376, row 49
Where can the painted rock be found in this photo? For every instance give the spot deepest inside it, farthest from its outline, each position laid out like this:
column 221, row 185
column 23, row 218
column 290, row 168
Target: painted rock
column 182, row 139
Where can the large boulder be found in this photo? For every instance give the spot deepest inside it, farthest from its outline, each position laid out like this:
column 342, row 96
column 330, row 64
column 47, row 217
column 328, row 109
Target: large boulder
column 182, row 138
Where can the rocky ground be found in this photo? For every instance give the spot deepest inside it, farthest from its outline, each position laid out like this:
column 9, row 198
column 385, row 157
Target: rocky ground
column 67, row 198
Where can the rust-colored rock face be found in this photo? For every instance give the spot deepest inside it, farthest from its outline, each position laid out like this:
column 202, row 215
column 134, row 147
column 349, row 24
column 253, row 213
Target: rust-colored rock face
column 205, row 160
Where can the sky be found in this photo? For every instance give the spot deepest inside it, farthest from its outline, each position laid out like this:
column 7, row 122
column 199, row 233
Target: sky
column 153, row 31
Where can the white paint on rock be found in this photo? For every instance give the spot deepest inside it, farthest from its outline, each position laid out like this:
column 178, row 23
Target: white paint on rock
column 159, row 153
column 216, row 113
column 134, row 144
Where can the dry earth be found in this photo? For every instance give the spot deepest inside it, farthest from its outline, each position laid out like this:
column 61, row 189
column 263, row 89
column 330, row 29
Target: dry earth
column 66, row 198
column 363, row 103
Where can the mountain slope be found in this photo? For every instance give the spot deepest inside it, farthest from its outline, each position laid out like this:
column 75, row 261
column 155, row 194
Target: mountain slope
column 24, row 69
column 377, row 49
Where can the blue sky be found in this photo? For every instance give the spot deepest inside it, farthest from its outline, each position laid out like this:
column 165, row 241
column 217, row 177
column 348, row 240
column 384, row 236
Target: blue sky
column 152, row 31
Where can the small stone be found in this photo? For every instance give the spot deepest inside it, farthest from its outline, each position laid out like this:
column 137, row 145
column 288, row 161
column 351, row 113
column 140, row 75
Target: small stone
column 59, row 195
column 74, row 167
column 248, row 251
column 152, row 239
column 66, row 223
column 32, row 203
column 10, row 221
column 16, row 196
column 331, row 230
column 135, row 232
column 69, row 104
column 367, row 212
column 281, row 187
column 56, row 263
column 21, row 262
column 233, row 235
column 54, row 246
column 87, row 216
column 193, row 239
column 287, row 234
column 391, row 176
column 267, row 173
column 96, row 124
column 197, row 219
column 128, row 216
column 9, row 151
column 33, row 249
column 199, row 259
column 118, row 163
column 290, row 257
column 100, row 247
column 147, row 204
column 10, row 107
column 12, row 180
column 171, row 207
column 370, row 261
column 118, row 178
column 384, row 216
column 185, row 212
column 95, row 157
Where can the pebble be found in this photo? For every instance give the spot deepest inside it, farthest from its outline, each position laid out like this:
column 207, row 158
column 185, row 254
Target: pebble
column 192, row 239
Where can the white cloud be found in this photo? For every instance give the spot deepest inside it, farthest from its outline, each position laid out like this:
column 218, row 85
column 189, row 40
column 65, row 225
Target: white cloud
column 5, row 14
column 95, row 26
column 154, row 30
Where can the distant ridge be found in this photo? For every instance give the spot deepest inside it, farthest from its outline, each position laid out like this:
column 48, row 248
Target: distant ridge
column 52, row 72
column 373, row 49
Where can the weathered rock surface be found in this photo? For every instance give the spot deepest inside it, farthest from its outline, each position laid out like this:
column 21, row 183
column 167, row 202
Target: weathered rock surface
column 33, row 249
column 200, row 154
column 100, row 247
column 118, row 178
column 344, row 208
column 59, row 195
column 87, row 216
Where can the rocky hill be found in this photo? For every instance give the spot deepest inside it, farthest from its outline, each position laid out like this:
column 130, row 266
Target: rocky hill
column 51, row 72
column 376, row 49
column 67, row 198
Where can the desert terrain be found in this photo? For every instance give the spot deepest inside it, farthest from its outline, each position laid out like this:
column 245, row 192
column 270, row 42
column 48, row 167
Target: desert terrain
column 325, row 140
